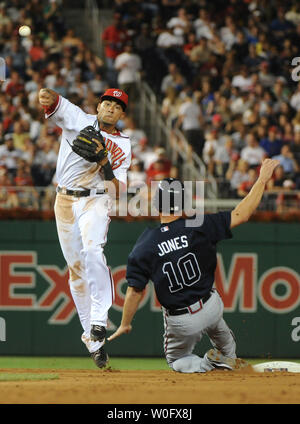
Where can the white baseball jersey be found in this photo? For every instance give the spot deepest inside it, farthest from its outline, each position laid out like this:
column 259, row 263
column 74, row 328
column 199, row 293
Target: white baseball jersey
column 74, row 172
column 82, row 222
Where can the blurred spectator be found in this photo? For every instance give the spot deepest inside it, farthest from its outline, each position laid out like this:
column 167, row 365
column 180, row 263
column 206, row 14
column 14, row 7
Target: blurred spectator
column 18, row 57
column 288, row 200
column 143, row 41
column 229, row 32
column 169, row 7
column 272, row 144
column 28, row 197
column 287, row 160
column 172, row 79
column 199, row 54
column 246, row 186
column 281, row 27
column 252, row 153
column 14, row 85
column 61, row 86
column 128, row 64
column 114, row 38
column 53, row 45
column 44, row 162
column 136, row 174
column 296, row 122
column 236, row 174
column 264, row 75
column 37, row 54
column 168, row 38
column 252, row 60
column 170, row 105
column 146, row 154
column 242, row 80
column 209, row 150
column 295, row 147
column 191, row 43
column 20, row 134
column 189, row 119
column 70, row 39
column 97, row 84
column 295, row 99
column 224, row 154
column 159, row 169
column 179, row 23
column 8, row 196
column 137, row 136
column 4, row 18
column 241, row 45
column 293, row 14
column 34, row 82
column 203, row 25
column 276, row 183
column 9, row 155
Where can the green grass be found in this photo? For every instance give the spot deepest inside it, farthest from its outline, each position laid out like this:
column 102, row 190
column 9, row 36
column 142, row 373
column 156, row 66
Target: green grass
column 56, row 363
column 81, row 363
column 28, row 376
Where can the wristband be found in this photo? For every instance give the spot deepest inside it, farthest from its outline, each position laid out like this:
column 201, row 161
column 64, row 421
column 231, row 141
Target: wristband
column 50, row 109
column 108, row 172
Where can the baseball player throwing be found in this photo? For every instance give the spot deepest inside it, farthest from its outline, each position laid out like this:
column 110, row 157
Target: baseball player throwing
column 92, row 162
column 181, row 261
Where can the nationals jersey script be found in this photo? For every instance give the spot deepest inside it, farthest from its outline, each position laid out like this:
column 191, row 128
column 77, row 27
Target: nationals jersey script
column 75, row 173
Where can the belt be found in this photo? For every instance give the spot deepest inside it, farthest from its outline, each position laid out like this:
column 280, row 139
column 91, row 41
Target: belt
column 192, row 309
column 80, row 193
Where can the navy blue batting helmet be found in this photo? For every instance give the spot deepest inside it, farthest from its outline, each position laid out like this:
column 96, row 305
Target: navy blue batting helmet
column 169, row 196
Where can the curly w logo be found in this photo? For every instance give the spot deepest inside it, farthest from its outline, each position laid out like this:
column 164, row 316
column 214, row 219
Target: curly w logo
column 2, row 330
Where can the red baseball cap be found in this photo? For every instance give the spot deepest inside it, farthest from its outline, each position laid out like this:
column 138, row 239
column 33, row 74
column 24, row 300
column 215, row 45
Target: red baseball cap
column 116, row 94
column 217, row 117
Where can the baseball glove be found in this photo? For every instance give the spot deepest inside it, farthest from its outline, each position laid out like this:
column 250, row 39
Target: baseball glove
column 90, row 145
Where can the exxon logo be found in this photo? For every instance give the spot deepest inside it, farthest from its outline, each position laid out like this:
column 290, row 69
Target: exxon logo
column 2, row 330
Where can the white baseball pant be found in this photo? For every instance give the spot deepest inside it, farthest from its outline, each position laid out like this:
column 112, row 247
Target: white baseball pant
column 82, row 226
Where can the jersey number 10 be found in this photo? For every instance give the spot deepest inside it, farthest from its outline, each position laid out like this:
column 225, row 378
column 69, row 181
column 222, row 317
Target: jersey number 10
column 185, row 273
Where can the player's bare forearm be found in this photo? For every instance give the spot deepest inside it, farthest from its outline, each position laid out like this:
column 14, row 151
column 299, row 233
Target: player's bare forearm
column 115, row 187
column 112, row 184
column 131, row 304
column 248, row 205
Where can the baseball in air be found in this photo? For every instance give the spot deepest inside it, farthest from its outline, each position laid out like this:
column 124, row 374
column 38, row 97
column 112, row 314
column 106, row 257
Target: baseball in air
column 24, row 31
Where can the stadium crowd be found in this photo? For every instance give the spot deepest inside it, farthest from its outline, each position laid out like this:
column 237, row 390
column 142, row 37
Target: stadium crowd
column 224, row 77
column 222, row 71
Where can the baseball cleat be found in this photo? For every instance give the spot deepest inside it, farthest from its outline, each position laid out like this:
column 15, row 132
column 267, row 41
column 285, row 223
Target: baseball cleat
column 219, row 361
column 100, row 357
column 98, row 333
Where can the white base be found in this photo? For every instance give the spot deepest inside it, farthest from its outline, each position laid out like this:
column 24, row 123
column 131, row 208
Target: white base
column 277, row 366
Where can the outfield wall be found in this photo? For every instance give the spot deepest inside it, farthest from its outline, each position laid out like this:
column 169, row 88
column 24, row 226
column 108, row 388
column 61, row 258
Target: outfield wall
column 257, row 276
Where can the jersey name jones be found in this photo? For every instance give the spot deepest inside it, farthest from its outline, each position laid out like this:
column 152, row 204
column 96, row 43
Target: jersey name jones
column 172, row 244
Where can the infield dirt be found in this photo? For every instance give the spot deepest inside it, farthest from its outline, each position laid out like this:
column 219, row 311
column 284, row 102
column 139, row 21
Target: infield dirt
column 152, row 387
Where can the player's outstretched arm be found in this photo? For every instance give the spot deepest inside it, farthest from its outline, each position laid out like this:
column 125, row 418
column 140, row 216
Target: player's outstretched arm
column 131, row 303
column 248, row 205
